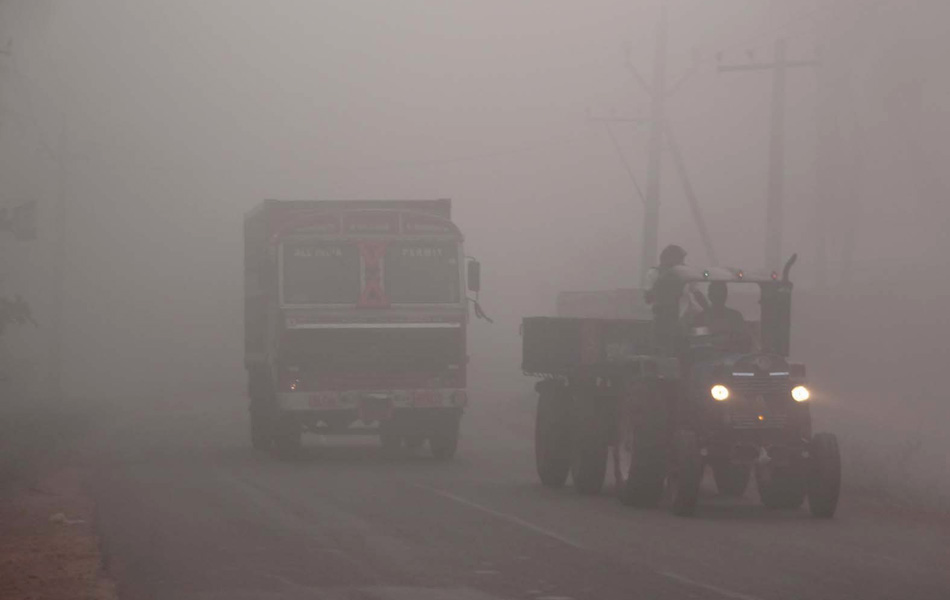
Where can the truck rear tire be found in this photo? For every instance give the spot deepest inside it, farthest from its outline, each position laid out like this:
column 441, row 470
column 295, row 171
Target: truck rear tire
column 589, row 445
column 731, row 480
column 444, row 442
column 824, row 476
column 686, row 474
column 552, row 435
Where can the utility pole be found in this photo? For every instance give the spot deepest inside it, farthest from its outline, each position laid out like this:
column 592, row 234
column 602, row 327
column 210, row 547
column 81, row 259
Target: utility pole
column 659, row 91
column 776, row 184
column 680, row 165
column 59, row 270
column 651, row 208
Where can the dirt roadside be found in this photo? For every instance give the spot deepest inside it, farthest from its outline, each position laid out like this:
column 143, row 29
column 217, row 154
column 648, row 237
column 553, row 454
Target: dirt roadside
column 48, row 544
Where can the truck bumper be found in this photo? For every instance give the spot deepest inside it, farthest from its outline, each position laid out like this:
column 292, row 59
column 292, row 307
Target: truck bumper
column 331, row 401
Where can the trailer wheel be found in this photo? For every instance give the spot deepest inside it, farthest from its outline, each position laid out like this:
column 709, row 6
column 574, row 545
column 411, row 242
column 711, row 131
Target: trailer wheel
column 780, row 488
column 731, row 480
column 686, row 474
column 444, row 442
column 552, row 435
column 589, row 445
column 824, row 476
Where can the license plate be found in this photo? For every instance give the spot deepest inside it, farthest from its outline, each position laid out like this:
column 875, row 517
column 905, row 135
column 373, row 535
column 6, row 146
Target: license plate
column 375, row 409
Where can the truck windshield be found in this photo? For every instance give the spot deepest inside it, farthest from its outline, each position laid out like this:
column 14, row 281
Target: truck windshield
column 420, row 272
column 321, row 273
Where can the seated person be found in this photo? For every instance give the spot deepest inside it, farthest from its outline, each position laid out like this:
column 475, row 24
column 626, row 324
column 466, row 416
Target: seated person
column 721, row 320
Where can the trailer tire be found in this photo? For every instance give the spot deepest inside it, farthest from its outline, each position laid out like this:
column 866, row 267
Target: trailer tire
column 589, row 445
column 731, row 480
column 824, row 476
column 552, row 435
column 444, row 442
column 686, row 474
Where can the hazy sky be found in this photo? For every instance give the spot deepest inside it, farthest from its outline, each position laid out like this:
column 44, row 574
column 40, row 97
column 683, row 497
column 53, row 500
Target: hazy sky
column 179, row 116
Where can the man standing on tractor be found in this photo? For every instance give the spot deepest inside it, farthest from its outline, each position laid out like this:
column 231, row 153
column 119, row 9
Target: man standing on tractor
column 665, row 294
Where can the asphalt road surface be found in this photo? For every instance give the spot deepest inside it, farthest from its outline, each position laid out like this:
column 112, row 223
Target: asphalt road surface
column 187, row 510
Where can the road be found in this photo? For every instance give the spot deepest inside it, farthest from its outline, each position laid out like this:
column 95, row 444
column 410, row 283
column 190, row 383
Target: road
column 186, row 510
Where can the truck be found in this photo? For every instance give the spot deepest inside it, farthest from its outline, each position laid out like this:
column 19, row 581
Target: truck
column 731, row 401
column 355, row 319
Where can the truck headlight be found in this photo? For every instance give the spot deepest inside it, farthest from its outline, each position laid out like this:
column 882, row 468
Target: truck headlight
column 800, row 393
column 719, row 392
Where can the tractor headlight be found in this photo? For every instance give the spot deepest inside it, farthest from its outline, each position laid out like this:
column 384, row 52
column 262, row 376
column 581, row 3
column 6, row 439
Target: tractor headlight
column 800, row 393
column 719, row 392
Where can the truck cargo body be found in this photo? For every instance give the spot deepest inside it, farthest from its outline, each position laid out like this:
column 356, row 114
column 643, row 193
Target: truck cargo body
column 355, row 316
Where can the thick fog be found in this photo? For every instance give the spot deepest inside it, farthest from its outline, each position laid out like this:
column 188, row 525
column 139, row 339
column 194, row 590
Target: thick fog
column 160, row 123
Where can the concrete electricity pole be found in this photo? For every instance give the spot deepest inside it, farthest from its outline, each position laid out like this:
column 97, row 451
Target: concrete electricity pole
column 651, row 207
column 776, row 185
column 59, row 270
column 659, row 92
